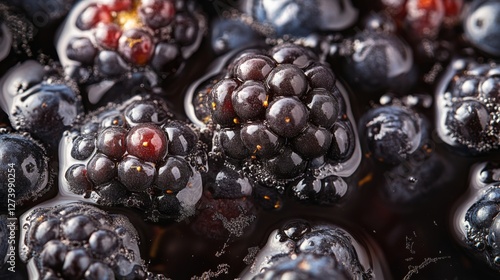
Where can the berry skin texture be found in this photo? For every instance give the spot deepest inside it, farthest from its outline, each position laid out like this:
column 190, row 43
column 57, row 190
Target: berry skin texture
column 45, row 109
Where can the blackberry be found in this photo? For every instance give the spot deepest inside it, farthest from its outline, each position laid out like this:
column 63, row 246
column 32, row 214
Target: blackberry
column 477, row 219
column 466, row 115
column 280, row 114
column 77, row 240
column 137, row 154
column 40, row 102
column 151, row 36
column 26, row 169
column 323, row 251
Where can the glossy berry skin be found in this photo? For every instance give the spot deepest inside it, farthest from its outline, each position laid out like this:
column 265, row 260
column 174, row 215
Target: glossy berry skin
column 378, row 60
column 392, row 133
column 27, row 165
column 280, row 114
column 481, row 26
column 77, row 240
column 476, row 218
column 299, row 18
column 231, row 34
column 465, row 107
column 135, row 154
column 153, row 37
column 323, row 251
column 44, row 109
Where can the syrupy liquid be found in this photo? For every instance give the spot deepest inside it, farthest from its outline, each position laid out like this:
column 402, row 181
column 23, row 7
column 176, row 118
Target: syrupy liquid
column 415, row 239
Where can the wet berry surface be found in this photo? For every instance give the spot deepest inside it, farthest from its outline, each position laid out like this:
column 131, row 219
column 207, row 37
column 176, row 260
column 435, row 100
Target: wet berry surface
column 250, row 139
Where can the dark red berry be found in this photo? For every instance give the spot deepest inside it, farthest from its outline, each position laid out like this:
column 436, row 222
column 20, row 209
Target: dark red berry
column 136, row 174
column 254, row 68
column 136, row 46
column 157, row 13
column 221, row 105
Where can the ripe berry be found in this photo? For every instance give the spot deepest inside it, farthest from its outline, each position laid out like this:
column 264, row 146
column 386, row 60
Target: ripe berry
column 298, row 245
column 45, row 109
column 150, row 37
column 147, row 142
column 278, row 114
column 481, row 26
column 141, row 157
column 26, row 162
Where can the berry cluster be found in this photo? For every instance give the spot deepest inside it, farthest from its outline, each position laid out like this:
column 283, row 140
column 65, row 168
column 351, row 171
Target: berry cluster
column 281, row 110
column 300, row 250
column 118, row 36
column 466, row 105
column 135, row 154
column 79, row 241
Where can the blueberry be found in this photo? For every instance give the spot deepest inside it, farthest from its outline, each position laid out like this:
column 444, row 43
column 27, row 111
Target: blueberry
column 78, row 228
column 83, row 147
column 250, row 100
column 392, row 133
column 25, row 160
column 481, row 26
